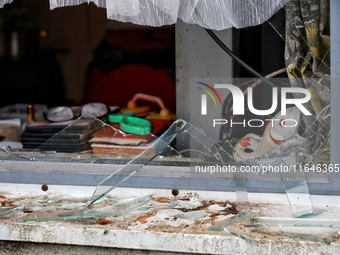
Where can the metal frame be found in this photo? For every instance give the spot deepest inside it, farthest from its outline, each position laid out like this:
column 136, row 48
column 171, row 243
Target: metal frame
column 151, row 177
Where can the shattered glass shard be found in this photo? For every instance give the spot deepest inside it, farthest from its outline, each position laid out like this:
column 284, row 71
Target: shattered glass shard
column 298, row 196
column 47, row 207
column 77, row 211
column 219, row 226
column 182, row 141
column 59, row 214
column 194, row 216
column 240, row 234
column 120, row 208
column 316, row 234
column 185, row 204
column 160, row 146
column 315, row 238
column 5, row 210
column 297, row 222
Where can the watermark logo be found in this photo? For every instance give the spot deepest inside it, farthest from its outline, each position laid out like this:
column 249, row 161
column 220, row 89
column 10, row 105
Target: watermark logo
column 239, row 99
column 204, row 97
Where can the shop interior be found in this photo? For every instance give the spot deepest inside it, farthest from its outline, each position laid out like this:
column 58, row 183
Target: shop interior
column 66, row 58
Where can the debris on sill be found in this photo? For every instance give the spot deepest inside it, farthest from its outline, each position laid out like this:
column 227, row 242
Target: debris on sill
column 186, row 214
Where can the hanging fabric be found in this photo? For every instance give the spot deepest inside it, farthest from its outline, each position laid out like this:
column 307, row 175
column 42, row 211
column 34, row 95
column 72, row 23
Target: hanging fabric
column 307, row 57
column 212, row 14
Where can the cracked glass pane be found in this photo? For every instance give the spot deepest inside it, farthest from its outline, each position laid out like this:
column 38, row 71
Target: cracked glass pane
column 305, row 29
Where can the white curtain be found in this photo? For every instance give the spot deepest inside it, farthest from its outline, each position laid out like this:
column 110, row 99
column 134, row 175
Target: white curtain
column 213, row 14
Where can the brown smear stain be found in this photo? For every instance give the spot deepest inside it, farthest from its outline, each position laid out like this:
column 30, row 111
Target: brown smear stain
column 161, row 199
column 213, row 217
column 228, row 210
column 142, row 219
column 168, row 228
column 103, row 221
column 4, row 201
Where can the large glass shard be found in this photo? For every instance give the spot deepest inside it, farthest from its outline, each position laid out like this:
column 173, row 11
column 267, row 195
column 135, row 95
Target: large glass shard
column 219, row 226
column 182, row 140
column 120, row 208
column 297, row 222
column 50, row 215
column 5, row 210
column 155, row 149
column 299, row 198
column 47, row 207
column 292, row 180
column 67, row 210
column 295, row 185
column 316, row 234
column 194, row 216
column 241, row 193
column 242, row 197
column 185, row 204
column 315, row 238
column 146, row 207
column 240, row 234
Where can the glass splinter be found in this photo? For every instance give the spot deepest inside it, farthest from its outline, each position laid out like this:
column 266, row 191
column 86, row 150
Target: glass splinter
column 315, row 238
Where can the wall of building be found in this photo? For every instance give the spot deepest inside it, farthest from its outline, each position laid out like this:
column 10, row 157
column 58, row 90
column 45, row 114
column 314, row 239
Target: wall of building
column 198, row 56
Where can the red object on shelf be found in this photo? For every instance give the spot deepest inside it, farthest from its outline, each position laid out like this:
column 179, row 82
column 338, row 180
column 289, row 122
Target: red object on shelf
column 121, row 84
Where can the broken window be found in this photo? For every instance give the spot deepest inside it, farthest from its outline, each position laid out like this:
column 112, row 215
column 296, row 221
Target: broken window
column 289, row 146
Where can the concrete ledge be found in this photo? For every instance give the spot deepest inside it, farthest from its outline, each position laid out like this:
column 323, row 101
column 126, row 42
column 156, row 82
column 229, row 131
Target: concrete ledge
column 103, row 236
column 159, row 235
